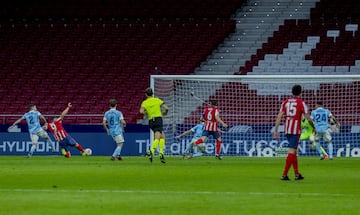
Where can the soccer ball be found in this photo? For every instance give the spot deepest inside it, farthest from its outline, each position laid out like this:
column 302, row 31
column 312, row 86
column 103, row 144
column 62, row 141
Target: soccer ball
column 88, row 151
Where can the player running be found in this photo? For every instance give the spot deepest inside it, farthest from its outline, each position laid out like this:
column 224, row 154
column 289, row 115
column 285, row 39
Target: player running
column 197, row 131
column 321, row 117
column 61, row 136
column 113, row 123
column 35, row 130
column 212, row 118
column 292, row 110
column 307, row 134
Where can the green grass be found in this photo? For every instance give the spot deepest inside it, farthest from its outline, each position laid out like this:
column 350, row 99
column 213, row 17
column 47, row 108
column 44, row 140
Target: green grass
column 234, row 185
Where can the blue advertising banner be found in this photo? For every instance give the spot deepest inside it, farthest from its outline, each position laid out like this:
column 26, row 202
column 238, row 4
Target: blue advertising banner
column 251, row 145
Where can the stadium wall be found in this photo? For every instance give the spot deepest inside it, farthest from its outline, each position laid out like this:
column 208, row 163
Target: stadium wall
column 137, row 141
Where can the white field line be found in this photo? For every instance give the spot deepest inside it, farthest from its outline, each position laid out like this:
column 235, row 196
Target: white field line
column 179, row 192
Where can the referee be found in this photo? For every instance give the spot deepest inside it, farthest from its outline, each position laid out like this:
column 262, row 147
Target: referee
column 152, row 107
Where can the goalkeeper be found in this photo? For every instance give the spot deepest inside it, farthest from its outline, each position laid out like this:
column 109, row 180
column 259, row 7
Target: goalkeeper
column 307, row 133
column 197, row 130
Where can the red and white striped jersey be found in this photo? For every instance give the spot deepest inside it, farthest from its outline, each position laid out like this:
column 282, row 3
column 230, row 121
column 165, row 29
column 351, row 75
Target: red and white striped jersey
column 57, row 129
column 209, row 117
column 293, row 109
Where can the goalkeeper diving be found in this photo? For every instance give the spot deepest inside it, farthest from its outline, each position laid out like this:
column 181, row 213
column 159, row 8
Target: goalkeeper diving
column 190, row 146
column 197, row 130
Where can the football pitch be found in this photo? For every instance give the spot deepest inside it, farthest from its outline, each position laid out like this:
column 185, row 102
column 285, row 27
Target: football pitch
column 235, row 185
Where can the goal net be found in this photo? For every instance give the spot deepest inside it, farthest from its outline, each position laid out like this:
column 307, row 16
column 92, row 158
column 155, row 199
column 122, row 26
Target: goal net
column 250, row 104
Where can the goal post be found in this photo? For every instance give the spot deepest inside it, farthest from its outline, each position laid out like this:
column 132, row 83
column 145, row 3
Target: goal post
column 249, row 105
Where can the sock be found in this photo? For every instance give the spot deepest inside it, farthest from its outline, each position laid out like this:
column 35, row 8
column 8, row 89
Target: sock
column 32, row 149
column 154, row 145
column 318, row 148
column 218, row 145
column 199, row 141
column 117, row 151
column 63, row 151
column 331, row 149
column 162, row 145
column 198, row 154
column 295, row 164
column 80, row 148
column 288, row 163
column 323, row 150
column 188, row 148
column 51, row 143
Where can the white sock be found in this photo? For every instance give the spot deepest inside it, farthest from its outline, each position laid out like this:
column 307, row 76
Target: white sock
column 318, row 148
column 51, row 144
column 331, row 149
column 32, row 149
column 117, row 151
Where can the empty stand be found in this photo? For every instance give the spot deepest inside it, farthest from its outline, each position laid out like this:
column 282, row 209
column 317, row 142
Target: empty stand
column 329, row 39
column 108, row 49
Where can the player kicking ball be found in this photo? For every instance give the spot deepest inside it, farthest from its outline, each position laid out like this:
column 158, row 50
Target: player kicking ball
column 35, row 129
column 321, row 117
column 61, row 136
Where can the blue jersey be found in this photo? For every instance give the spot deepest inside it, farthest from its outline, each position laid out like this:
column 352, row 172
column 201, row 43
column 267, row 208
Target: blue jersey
column 197, row 129
column 320, row 116
column 33, row 122
column 113, row 118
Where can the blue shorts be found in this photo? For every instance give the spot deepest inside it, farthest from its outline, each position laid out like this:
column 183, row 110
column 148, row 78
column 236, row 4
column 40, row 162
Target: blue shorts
column 67, row 141
column 215, row 134
column 293, row 140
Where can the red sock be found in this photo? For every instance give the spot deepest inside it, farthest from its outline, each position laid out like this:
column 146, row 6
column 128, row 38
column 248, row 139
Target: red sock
column 199, row 141
column 218, row 145
column 295, row 165
column 80, row 148
column 289, row 161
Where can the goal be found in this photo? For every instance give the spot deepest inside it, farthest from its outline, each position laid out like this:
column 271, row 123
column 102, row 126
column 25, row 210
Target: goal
column 250, row 104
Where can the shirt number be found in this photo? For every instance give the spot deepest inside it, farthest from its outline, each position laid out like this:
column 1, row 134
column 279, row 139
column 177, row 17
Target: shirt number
column 291, row 108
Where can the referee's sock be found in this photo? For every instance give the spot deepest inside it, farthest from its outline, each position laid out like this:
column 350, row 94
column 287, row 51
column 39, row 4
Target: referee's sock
column 162, row 145
column 154, row 146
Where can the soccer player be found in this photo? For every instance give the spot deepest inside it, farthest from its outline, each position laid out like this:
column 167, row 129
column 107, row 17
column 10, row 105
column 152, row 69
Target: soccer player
column 61, row 136
column 308, row 134
column 292, row 110
column 155, row 109
column 35, row 130
column 212, row 118
column 321, row 117
column 114, row 123
column 197, row 131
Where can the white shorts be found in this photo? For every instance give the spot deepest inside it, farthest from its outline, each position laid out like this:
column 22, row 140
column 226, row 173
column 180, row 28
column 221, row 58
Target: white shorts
column 118, row 139
column 35, row 137
column 326, row 135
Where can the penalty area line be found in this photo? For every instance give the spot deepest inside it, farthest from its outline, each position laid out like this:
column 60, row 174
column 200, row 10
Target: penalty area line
column 179, row 192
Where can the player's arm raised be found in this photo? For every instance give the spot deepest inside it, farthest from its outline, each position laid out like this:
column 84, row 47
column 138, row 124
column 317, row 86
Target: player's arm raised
column 66, row 111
